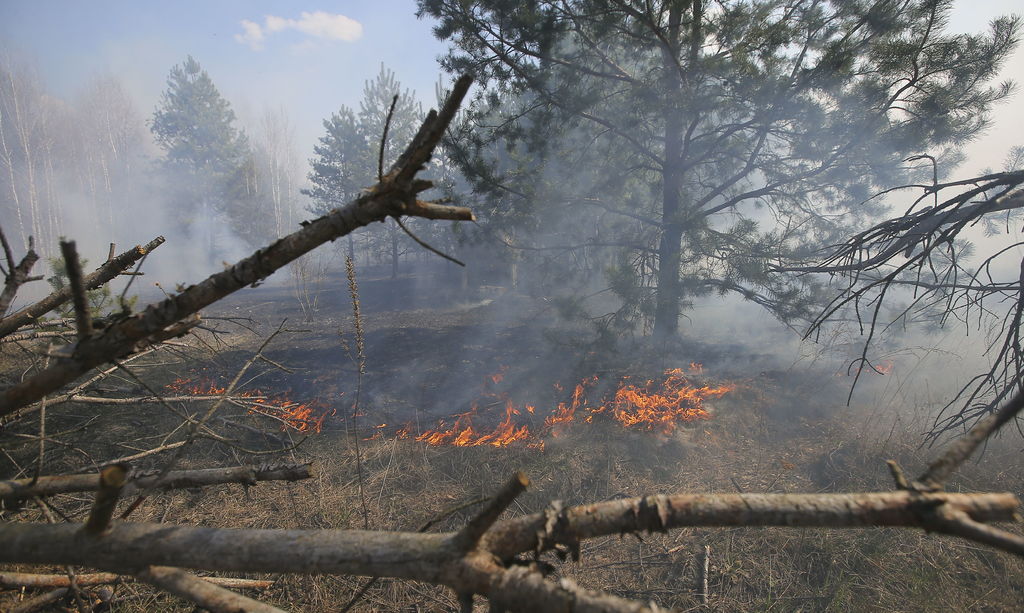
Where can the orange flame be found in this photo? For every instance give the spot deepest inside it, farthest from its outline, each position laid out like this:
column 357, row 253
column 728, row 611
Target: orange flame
column 300, row 416
column 661, row 405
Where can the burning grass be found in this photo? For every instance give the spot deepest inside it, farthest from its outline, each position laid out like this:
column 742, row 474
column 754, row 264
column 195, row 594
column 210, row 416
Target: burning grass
column 305, row 417
column 654, row 405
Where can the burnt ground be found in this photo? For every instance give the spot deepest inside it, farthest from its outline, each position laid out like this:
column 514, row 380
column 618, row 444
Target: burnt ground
column 430, row 353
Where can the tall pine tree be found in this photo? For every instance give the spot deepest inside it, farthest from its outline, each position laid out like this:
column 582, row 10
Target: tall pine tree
column 701, row 138
column 205, row 154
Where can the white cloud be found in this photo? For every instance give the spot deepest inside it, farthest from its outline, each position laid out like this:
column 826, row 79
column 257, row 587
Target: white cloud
column 252, row 35
column 318, row 24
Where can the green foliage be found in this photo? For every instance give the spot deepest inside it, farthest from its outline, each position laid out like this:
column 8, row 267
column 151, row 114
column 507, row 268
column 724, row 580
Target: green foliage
column 206, row 157
column 723, row 136
column 348, row 154
column 346, row 157
column 101, row 301
column 194, row 124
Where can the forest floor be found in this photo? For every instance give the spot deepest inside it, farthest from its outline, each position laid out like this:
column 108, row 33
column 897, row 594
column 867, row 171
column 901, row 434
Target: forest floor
column 431, row 356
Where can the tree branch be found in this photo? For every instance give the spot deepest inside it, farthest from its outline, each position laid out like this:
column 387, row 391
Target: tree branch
column 203, row 593
column 145, row 480
column 394, row 195
column 101, row 275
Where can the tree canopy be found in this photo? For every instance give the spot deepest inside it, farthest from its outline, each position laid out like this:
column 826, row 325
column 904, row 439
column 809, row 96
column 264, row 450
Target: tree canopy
column 710, row 138
column 194, row 124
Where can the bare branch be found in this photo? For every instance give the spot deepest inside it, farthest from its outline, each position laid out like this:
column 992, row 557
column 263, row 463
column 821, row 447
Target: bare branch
column 203, row 593
column 145, row 480
column 11, row 580
column 942, row 469
column 101, row 275
column 394, row 195
column 83, row 318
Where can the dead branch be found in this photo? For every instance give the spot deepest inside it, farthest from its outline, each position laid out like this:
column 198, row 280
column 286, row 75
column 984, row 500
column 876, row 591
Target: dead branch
column 146, row 480
column 203, row 593
column 101, row 275
column 38, row 581
column 394, row 195
column 112, row 479
column 73, row 267
column 428, row 557
column 18, row 273
column 942, row 469
column 34, row 604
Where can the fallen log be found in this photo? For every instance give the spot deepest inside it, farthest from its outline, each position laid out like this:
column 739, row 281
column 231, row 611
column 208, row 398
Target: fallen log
column 144, row 480
column 10, row 580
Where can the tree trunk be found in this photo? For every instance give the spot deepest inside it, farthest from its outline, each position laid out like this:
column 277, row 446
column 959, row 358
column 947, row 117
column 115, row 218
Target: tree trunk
column 394, row 253
column 669, row 292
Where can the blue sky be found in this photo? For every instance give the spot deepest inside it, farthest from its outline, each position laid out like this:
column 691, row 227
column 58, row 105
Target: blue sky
column 300, row 65
column 311, row 59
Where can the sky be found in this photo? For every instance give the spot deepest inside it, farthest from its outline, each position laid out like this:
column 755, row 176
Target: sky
column 310, row 58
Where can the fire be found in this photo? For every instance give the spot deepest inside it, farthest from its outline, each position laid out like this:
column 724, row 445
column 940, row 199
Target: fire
column 300, row 416
column 655, row 405
column 663, row 406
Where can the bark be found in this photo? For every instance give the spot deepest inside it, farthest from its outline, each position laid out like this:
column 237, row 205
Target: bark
column 178, row 479
column 439, row 558
column 103, row 274
column 36, row 581
column 203, row 593
column 542, row 531
column 667, row 302
column 394, row 195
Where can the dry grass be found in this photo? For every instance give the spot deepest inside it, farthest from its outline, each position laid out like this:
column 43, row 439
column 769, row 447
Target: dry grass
column 774, row 569
column 761, row 438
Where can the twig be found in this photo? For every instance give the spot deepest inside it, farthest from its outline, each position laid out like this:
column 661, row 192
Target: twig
column 83, row 318
column 940, row 470
column 425, row 245
column 203, row 593
column 101, row 275
column 34, row 604
column 704, row 594
column 384, row 139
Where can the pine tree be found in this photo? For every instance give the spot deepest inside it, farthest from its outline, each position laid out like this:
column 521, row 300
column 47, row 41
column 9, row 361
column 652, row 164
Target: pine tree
column 347, row 156
column 205, row 154
column 704, row 138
